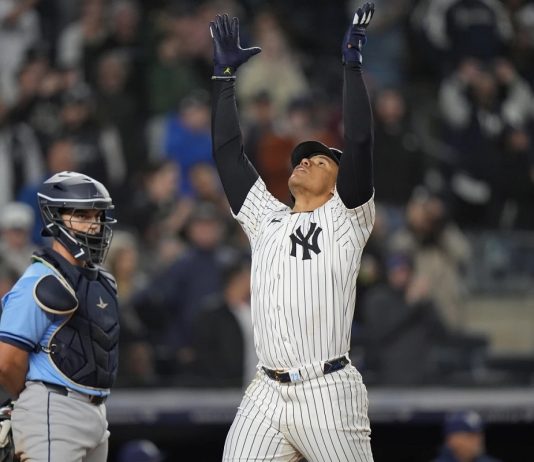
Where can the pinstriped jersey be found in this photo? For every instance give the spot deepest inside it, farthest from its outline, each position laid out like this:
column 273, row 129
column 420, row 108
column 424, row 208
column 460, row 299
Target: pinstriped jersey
column 304, row 270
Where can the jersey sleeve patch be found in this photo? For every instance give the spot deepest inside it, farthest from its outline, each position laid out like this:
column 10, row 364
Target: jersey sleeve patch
column 54, row 296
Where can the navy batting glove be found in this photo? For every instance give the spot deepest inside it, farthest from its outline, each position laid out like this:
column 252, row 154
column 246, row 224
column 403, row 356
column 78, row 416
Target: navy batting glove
column 227, row 52
column 355, row 37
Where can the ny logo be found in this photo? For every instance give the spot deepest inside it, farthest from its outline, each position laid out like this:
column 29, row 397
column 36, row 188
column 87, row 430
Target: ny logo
column 299, row 238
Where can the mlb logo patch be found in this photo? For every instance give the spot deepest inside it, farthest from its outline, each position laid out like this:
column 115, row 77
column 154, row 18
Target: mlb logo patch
column 295, row 376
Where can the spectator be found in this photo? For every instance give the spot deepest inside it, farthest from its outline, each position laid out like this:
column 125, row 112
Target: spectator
column 188, row 19
column 137, row 356
column 206, row 187
column 259, row 122
column 116, row 107
column 123, row 260
column 16, row 247
column 478, row 106
column 126, row 40
column 167, row 251
column 276, row 70
column 402, row 327
column 156, row 199
column 187, row 136
column 522, row 50
column 82, row 36
column 223, row 344
column 439, row 250
column 461, row 29
column 19, row 31
column 387, row 47
column 515, row 185
column 38, row 98
column 464, row 439
column 171, row 77
column 305, row 121
column 331, row 15
column 175, row 294
column 20, row 157
column 98, row 149
column 42, row 112
column 398, row 155
column 8, row 277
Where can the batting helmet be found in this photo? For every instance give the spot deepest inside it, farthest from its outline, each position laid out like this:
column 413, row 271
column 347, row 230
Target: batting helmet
column 74, row 191
column 309, row 149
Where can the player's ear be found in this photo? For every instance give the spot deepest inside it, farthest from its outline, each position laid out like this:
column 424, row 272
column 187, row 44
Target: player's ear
column 334, row 183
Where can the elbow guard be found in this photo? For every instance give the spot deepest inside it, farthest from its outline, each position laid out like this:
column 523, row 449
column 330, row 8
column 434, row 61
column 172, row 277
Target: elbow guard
column 54, row 295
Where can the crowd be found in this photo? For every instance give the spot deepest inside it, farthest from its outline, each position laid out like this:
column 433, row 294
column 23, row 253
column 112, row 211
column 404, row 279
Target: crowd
column 119, row 90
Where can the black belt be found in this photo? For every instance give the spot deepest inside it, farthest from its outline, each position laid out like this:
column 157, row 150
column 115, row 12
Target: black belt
column 328, row 367
column 60, row 390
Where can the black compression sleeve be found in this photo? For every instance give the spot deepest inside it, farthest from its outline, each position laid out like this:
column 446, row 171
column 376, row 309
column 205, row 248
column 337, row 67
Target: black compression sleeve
column 355, row 177
column 236, row 172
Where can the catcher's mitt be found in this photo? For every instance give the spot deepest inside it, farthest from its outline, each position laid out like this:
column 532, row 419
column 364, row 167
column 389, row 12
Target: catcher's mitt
column 7, row 448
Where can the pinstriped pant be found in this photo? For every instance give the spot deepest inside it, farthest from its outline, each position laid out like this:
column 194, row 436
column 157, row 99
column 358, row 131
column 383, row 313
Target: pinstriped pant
column 323, row 419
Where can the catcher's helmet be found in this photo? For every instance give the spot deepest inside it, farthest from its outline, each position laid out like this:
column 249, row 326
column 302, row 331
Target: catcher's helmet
column 74, row 191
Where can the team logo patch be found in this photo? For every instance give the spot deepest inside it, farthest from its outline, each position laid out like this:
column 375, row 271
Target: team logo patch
column 308, row 241
column 101, row 304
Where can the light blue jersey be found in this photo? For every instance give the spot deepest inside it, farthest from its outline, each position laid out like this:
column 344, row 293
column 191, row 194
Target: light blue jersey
column 25, row 325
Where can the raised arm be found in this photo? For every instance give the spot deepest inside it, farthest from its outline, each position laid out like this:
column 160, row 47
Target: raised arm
column 355, row 177
column 236, row 172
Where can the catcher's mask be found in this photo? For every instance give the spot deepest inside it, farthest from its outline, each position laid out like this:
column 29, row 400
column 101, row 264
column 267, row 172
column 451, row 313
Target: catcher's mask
column 67, row 192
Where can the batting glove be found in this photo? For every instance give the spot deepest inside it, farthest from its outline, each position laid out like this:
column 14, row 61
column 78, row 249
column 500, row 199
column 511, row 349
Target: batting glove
column 227, row 52
column 355, row 37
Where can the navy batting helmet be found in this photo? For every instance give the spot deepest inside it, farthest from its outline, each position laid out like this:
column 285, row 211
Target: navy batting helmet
column 70, row 191
column 308, row 149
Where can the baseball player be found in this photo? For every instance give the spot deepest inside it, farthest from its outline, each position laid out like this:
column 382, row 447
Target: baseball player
column 306, row 400
column 59, row 329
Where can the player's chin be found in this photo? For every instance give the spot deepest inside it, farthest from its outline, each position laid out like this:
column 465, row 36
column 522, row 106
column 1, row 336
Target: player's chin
column 294, row 180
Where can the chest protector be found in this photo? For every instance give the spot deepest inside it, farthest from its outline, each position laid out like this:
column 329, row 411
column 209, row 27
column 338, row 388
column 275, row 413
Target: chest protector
column 85, row 348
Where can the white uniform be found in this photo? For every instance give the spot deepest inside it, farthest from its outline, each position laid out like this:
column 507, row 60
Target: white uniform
column 304, row 271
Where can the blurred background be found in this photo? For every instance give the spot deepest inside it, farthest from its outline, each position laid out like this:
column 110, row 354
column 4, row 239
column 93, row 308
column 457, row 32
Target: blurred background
column 120, row 90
